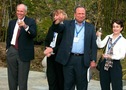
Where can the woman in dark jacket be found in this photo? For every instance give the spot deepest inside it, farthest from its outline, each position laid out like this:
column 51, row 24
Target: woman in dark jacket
column 54, row 69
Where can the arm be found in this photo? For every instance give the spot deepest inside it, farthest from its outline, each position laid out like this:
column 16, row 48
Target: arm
column 29, row 25
column 101, row 43
column 94, row 49
column 58, row 27
column 8, row 39
column 32, row 30
column 48, row 40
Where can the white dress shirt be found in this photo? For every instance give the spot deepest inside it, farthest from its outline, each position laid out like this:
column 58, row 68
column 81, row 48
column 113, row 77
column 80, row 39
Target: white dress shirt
column 13, row 41
column 119, row 48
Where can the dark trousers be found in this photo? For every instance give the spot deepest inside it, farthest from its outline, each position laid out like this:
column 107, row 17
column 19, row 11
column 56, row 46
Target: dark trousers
column 17, row 70
column 54, row 74
column 113, row 76
column 75, row 74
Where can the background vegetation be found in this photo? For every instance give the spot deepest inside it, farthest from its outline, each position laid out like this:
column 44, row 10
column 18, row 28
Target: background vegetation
column 99, row 12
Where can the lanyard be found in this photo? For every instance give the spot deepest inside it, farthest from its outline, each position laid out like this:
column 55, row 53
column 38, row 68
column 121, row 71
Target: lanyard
column 112, row 45
column 77, row 32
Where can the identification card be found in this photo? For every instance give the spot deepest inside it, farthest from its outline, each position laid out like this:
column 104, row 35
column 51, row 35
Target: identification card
column 52, row 44
column 76, row 39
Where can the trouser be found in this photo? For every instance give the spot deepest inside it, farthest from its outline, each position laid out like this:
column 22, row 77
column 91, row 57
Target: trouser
column 54, row 74
column 113, row 76
column 75, row 74
column 17, row 70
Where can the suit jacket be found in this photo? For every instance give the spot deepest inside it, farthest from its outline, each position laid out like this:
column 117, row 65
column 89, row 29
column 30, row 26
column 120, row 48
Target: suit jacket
column 90, row 47
column 25, row 40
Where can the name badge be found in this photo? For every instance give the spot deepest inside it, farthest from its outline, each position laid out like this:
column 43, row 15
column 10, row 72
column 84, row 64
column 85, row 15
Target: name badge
column 52, row 44
column 76, row 39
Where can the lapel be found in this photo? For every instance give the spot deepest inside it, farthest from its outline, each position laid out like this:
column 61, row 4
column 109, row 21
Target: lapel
column 86, row 34
column 72, row 28
column 13, row 26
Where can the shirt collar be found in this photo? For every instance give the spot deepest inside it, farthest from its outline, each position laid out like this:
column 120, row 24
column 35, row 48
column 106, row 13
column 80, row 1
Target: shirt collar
column 21, row 19
column 118, row 36
column 76, row 23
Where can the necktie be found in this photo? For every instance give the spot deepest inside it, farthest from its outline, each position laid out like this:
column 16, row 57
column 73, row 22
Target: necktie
column 16, row 43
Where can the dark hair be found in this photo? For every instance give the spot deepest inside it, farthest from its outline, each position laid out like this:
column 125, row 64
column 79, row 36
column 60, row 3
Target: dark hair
column 120, row 22
column 77, row 7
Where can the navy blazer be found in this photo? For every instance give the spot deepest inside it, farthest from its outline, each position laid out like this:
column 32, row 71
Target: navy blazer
column 25, row 40
column 64, row 51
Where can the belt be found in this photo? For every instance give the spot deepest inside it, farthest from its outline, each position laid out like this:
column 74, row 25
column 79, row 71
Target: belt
column 77, row 54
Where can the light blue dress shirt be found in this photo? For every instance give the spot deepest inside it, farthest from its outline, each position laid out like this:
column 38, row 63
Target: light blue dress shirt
column 78, row 41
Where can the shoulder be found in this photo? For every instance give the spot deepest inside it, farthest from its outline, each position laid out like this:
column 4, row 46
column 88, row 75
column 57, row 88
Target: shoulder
column 13, row 20
column 88, row 24
column 29, row 19
column 69, row 22
column 123, row 39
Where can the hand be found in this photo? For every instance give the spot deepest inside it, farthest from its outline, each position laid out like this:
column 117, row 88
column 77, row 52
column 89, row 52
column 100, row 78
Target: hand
column 48, row 51
column 93, row 64
column 57, row 21
column 48, row 55
column 98, row 33
column 59, row 18
column 22, row 24
column 107, row 56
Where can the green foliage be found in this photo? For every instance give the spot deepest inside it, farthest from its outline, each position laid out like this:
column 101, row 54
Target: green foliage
column 42, row 29
column 99, row 12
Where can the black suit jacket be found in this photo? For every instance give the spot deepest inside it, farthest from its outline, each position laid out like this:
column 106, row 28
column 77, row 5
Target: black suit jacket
column 25, row 40
column 90, row 47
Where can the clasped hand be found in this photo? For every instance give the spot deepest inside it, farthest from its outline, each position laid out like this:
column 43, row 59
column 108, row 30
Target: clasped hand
column 48, row 51
column 107, row 56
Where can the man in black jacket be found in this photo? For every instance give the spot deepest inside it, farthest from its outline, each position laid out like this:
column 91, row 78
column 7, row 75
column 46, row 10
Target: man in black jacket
column 20, row 48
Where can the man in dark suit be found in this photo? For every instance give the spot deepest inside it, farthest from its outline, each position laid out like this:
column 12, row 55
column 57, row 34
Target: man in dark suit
column 20, row 48
column 78, row 49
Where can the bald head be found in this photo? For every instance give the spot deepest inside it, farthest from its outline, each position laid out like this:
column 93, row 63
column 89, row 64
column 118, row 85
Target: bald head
column 21, row 11
column 23, row 6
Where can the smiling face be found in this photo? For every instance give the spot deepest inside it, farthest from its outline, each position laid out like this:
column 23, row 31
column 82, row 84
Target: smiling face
column 21, row 11
column 80, row 14
column 116, row 28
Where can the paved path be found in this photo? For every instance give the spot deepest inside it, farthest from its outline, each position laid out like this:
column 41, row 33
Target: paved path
column 37, row 81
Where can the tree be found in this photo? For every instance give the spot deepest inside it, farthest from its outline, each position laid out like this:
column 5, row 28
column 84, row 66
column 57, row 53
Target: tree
column 99, row 12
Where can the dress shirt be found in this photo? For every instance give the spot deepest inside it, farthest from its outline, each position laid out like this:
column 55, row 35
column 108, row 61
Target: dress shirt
column 78, row 44
column 119, row 48
column 13, row 41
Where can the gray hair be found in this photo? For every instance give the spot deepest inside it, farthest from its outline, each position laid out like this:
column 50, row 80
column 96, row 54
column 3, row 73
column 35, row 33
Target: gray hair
column 23, row 5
